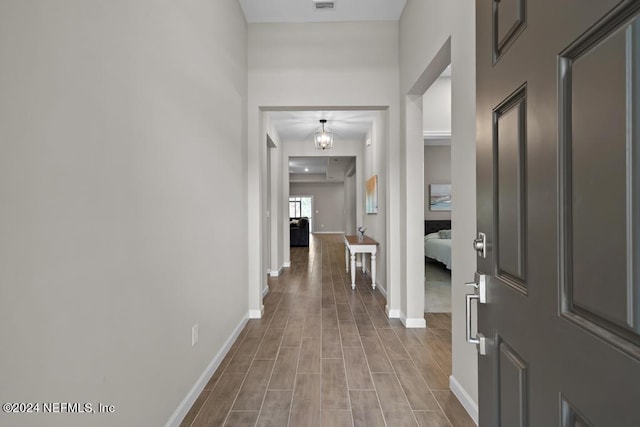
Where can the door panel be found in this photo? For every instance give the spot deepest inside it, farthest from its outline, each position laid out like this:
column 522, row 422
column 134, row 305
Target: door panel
column 509, row 149
column 513, row 397
column 509, row 22
column 571, row 417
column 598, row 119
column 558, row 149
column 597, row 182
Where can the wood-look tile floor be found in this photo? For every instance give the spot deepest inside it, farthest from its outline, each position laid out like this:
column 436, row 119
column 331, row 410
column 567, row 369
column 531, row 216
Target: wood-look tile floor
column 324, row 355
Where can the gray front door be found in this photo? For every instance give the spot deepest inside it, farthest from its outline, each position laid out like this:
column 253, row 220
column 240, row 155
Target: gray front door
column 558, row 162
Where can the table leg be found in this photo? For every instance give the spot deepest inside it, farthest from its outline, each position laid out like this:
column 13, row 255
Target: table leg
column 353, row 271
column 346, row 257
column 373, row 270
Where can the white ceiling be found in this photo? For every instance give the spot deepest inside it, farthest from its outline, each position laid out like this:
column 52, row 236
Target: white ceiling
column 310, row 165
column 256, row 11
column 298, row 126
column 333, row 168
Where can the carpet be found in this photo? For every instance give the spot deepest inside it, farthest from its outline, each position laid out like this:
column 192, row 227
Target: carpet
column 437, row 292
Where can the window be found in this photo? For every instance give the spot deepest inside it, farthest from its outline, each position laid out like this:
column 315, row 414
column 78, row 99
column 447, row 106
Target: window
column 300, row 206
column 295, row 207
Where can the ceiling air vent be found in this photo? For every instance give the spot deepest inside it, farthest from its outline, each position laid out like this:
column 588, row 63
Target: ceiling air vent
column 324, row 5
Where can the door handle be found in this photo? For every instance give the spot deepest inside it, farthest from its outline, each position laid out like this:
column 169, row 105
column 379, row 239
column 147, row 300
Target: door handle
column 481, row 297
column 480, row 244
column 470, row 339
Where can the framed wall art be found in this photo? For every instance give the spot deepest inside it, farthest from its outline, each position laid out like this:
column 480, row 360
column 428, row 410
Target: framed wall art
column 440, row 197
column 371, row 195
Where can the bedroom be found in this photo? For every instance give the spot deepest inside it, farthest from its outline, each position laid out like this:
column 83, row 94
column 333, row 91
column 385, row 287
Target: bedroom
column 437, row 194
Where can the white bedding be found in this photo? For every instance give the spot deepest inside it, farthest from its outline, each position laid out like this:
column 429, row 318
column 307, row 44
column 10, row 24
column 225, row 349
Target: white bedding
column 438, row 249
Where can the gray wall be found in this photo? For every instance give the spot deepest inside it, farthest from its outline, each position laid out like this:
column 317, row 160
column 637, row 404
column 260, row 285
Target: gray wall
column 437, row 170
column 350, row 204
column 375, row 158
column 425, row 28
column 277, row 207
column 123, row 187
column 328, row 204
column 436, row 107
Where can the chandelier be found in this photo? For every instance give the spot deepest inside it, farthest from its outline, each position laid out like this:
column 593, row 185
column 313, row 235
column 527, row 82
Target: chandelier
column 323, row 137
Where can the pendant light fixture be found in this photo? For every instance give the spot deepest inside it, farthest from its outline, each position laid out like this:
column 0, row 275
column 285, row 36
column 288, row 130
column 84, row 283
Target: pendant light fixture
column 323, row 137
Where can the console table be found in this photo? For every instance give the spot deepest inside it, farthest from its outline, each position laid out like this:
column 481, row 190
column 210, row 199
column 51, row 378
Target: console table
column 354, row 245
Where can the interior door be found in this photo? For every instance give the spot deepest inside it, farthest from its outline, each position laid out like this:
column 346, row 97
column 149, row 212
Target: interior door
column 558, row 143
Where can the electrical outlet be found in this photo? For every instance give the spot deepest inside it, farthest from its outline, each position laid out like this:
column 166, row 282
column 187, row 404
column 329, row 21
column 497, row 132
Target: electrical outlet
column 194, row 335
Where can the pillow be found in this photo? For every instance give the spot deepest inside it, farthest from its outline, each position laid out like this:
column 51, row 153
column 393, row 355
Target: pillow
column 294, row 222
column 444, row 234
column 431, row 236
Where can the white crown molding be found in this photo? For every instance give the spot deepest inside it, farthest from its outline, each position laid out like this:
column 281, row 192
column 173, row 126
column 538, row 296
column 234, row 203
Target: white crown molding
column 437, row 137
column 436, row 134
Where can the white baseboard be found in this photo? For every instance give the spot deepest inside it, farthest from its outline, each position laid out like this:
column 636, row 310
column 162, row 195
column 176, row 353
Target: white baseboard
column 287, row 264
column 186, row 404
column 467, row 402
column 393, row 314
column 265, row 291
column 328, row 232
column 418, row 322
column 415, row 323
column 382, row 290
column 279, row 271
column 256, row 314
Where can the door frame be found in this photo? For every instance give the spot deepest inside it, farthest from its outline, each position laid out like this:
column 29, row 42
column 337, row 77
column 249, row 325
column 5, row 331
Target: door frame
column 464, row 379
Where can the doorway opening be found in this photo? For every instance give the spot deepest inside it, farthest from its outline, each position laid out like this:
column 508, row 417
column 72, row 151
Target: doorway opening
column 436, row 108
column 335, row 178
column 322, row 189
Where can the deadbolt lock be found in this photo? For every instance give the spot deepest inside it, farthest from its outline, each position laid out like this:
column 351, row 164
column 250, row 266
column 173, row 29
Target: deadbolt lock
column 480, row 244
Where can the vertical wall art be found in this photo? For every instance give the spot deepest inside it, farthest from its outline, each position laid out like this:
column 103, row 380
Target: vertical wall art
column 371, row 195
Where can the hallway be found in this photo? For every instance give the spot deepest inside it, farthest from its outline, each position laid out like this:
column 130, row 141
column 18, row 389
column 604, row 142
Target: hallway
column 326, row 355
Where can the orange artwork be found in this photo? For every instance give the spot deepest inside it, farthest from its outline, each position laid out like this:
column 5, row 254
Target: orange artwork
column 371, row 195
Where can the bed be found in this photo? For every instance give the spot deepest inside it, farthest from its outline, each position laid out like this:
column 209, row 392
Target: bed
column 437, row 241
